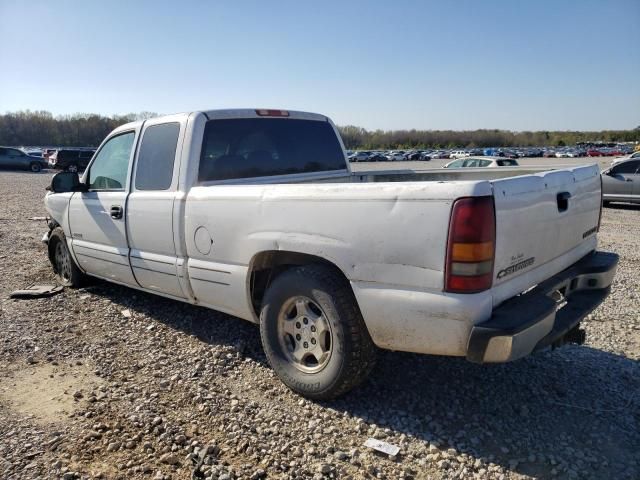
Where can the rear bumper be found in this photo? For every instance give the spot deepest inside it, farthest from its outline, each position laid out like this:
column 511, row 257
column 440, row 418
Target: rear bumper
column 544, row 314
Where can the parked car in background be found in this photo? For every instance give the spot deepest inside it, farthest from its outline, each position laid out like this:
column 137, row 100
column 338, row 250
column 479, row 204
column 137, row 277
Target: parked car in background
column 549, row 154
column 46, row 152
column 482, row 162
column 396, row 156
column 377, row 157
column 360, row 156
column 594, row 152
column 459, row 154
column 621, row 182
column 15, row 158
column 414, row 156
column 34, row 152
column 70, row 160
column 622, row 159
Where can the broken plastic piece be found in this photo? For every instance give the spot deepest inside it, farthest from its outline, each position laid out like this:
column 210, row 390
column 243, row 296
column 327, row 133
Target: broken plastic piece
column 381, row 446
column 37, row 291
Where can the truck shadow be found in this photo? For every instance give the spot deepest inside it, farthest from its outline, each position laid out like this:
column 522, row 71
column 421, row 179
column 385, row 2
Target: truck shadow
column 568, row 413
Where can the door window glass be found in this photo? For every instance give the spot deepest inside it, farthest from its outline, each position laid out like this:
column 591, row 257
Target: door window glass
column 626, row 167
column 109, row 169
column 14, row 152
column 154, row 169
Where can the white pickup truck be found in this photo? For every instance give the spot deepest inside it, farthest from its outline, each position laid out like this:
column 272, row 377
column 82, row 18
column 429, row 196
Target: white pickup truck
column 256, row 213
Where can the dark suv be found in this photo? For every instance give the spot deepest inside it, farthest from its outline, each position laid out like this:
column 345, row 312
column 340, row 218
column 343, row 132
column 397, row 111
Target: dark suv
column 71, row 160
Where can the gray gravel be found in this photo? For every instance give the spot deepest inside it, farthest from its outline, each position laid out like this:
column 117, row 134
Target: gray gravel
column 89, row 392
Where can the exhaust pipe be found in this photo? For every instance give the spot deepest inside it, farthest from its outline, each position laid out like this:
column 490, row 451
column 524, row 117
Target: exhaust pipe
column 576, row 335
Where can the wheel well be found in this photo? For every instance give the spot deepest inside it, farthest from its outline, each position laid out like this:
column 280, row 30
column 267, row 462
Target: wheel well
column 266, row 266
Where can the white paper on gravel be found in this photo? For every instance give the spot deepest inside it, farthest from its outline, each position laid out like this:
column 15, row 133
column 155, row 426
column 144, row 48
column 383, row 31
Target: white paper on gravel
column 381, row 446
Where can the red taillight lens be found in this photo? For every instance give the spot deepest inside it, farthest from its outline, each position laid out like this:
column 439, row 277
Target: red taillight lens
column 471, row 245
column 272, row 113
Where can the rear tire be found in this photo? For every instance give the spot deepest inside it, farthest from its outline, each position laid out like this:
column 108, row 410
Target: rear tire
column 313, row 334
column 67, row 272
column 35, row 167
column 72, row 168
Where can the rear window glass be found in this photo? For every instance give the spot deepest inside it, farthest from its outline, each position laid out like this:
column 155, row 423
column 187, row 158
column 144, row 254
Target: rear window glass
column 261, row 147
column 507, row 163
column 154, row 170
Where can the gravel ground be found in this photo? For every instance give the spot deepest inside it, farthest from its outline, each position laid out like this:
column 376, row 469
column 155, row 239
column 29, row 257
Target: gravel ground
column 108, row 382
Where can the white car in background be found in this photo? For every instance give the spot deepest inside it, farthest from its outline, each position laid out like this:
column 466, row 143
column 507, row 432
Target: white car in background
column 360, row 156
column 482, row 162
column 398, row 156
column 459, row 154
column 626, row 157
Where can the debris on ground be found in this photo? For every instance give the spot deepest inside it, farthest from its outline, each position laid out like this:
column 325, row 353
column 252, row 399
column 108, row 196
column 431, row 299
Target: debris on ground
column 382, row 446
column 37, row 291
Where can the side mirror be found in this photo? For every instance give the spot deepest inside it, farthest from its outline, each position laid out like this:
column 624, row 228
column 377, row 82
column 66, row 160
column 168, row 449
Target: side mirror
column 66, row 182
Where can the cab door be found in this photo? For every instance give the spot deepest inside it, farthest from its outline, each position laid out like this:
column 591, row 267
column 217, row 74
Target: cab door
column 619, row 181
column 151, row 227
column 97, row 217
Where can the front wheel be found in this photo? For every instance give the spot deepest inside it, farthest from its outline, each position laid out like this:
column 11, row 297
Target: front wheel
column 35, row 167
column 66, row 270
column 313, row 334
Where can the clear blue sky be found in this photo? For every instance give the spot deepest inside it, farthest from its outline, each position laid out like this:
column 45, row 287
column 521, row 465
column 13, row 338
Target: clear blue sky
column 451, row 64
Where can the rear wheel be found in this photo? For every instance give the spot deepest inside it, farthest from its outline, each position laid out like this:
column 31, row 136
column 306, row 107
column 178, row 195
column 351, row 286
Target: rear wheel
column 35, row 167
column 313, row 334
column 72, row 168
column 66, row 270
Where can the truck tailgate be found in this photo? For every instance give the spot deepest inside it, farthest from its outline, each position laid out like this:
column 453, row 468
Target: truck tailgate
column 544, row 223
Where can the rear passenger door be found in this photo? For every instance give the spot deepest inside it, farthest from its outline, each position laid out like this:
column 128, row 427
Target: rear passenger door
column 150, row 207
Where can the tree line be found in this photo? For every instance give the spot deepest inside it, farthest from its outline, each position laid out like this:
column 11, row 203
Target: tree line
column 362, row 139
column 41, row 128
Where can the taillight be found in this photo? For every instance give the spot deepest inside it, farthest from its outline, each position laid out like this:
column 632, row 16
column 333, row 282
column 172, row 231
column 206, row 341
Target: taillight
column 471, row 245
column 272, row 113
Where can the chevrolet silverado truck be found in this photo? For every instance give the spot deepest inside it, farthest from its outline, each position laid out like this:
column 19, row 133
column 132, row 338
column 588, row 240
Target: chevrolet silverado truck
column 256, row 213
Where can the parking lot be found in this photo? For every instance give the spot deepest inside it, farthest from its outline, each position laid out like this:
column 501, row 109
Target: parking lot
column 603, row 162
column 109, row 382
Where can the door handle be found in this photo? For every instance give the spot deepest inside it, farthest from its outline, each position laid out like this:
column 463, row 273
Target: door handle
column 563, row 201
column 116, row 212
